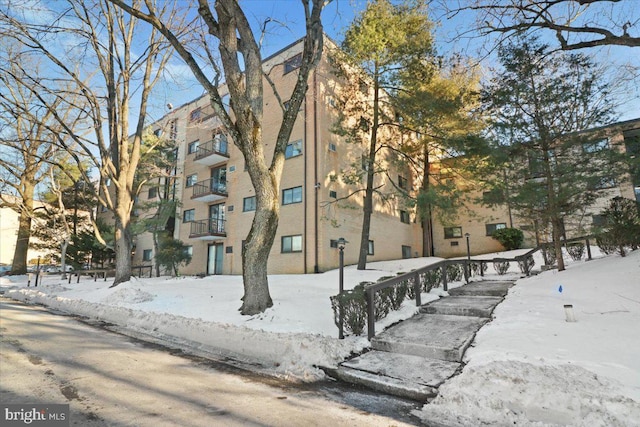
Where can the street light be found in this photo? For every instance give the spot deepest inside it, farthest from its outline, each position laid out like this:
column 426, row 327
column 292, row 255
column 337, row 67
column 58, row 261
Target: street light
column 341, row 244
column 468, row 269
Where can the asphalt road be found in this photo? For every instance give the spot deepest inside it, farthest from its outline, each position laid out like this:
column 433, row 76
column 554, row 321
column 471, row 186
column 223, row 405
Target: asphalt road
column 110, row 379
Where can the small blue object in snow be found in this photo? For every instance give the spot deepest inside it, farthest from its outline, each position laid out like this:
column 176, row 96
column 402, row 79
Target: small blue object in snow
column 560, row 289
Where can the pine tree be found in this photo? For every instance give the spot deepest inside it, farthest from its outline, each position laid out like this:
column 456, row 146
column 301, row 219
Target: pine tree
column 540, row 103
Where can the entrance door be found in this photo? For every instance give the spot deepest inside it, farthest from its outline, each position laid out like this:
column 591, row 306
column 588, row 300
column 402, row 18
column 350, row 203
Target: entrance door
column 216, row 219
column 214, row 259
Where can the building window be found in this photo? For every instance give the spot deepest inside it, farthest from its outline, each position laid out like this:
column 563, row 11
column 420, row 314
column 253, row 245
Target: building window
column 189, row 215
column 332, row 147
column 292, row 63
column 595, row 146
column 229, row 250
column 153, row 193
column 370, row 249
column 158, row 132
column 293, row 149
column 292, row 195
column 291, row 244
column 191, row 180
column 146, row 255
column 455, row 243
column 230, row 208
column 333, row 243
column 333, row 194
column 188, row 250
column 249, row 204
column 404, row 217
column 493, row 227
column 406, row 251
column 403, row 183
column 193, row 147
column 599, row 220
column 195, row 115
column 452, row 232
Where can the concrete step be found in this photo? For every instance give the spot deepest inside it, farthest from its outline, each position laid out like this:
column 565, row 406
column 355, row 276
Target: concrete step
column 478, row 306
column 434, row 336
column 401, row 375
column 494, row 289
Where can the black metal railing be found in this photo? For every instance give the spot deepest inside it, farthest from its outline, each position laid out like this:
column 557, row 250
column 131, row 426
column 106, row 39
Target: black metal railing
column 210, row 186
column 208, row 227
column 216, row 146
column 415, row 278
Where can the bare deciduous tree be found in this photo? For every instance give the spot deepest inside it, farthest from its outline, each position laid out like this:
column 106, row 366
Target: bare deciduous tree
column 576, row 24
column 102, row 65
column 229, row 36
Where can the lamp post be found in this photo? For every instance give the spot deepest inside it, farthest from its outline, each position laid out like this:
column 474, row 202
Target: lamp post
column 341, row 244
column 468, row 269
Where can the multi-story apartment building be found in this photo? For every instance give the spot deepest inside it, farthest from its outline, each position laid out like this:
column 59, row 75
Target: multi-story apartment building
column 480, row 221
column 217, row 200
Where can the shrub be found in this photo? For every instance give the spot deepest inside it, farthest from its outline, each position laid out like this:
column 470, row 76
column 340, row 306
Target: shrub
column 354, row 309
column 606, row 244
column 526, row 264
column 432, row 279
column 476, row 266
column 454, row 272
column 501, row 266
column 549, row 254
column 575, row 250
column 622, row 229
column 510, row 238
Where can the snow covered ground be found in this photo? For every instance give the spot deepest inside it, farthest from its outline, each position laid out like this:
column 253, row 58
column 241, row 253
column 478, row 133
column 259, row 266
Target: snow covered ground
column 529, row 366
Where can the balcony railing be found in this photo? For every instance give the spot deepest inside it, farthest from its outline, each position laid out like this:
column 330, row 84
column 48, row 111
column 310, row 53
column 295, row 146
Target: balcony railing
column 209, row 190
column 212, row 152
column 208, row 229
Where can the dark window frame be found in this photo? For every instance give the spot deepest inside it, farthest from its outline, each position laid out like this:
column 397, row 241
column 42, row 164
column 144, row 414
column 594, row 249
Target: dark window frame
column 147, row 254
column 289, row 249
column 191, row 180
column 493, row 227
column 405, row 217
column 188, row 213
column 293, row 63
column 290, row 150
column 406, row 252
column 293, row 191
column 192, row 147
column 450, row 232
column 247, row 201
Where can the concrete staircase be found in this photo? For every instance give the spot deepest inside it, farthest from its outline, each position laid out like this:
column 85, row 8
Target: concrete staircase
column 414, row 357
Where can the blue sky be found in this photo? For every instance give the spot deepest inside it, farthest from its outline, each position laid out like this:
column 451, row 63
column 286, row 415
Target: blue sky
column 288, row 25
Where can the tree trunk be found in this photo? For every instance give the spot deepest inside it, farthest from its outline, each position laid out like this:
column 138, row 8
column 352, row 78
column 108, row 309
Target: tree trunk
column 255, row 253
column 427, row 226
column 123, row 248
column 19, row 265
column 557, row 244
column 368, row 197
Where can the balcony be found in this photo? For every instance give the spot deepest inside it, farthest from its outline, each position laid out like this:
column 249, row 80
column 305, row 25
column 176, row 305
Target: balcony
column 208, row 229
column 209, row 190
column 212, row 152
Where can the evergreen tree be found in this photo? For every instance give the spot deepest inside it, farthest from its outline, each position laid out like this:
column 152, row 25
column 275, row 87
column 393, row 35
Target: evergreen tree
column 440, row 106
column 540, row 103
column 383, row 40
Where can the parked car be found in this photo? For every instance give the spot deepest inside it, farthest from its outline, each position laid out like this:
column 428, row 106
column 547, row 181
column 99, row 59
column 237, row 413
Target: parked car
column 4, row 270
